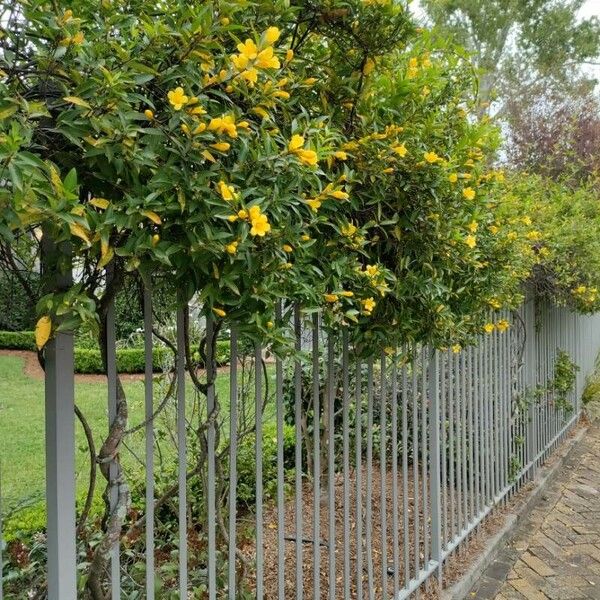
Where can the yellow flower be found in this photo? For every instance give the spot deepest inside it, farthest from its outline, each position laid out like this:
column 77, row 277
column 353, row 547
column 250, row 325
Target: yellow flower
column 456, row 348
column 43, row 329
column 469, row 193
column 400, row 150
column 493, row 229
column 78, row 38
column 314, row 203
column 331, row 298
column 582, row 289
column 368, row 305
column 221, row 146
column 534, row 236
column 219, row 311
column 177, row 98
column 248, row 49
column 287, row 248
column 272, row 35
column 289, row 55
column 473, row 226
column 471, row 241
column 431, row 157
column 372, row 271
column 222, row 125
column 340, row 155
column 489, row 327
column 250, row 75
column 149, row 114
column 242, row 214
column 347, row 294
column 502, row 325
column 305, row 238
column 259, row 221
column 526, row 220
column 308, row 157
column 267, row 60
column 225, row 21
column 494, row 303
column 227, row 191
column 453, row 178
column 296, row 142
column 339, row 195
column 369, row 66
column 232, row 218
column 348, row 230
column 232, row 248
column 240, row 61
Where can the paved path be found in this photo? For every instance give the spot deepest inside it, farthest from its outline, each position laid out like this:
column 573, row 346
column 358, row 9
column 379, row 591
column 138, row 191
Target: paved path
column 555, row 553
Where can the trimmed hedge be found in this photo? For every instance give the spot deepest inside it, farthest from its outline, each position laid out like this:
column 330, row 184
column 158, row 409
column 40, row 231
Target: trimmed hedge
column 89, row 361
column 17, row 340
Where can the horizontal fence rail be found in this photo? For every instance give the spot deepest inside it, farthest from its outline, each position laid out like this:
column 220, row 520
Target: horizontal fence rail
column 318, row 475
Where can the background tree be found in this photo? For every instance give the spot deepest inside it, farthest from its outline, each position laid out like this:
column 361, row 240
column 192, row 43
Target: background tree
column 555, row 134
column 516, row 42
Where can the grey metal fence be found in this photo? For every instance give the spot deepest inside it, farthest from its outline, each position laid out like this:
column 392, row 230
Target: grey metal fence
column 364, row 476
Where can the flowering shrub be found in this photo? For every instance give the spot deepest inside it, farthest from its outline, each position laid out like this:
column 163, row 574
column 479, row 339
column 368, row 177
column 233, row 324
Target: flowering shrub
column 326, row 153
column 562, row 225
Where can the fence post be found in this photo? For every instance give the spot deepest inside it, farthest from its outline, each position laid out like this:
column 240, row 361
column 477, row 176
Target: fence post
column 60, row 442
column 531, row 380
column 434, row 458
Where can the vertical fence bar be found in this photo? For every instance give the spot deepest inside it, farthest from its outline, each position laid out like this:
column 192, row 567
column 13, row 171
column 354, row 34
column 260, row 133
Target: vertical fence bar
column 279, row 409
column 425, row 454
column 149, row 434
column 434, row 449
column 405, row 473
column 359, row 494
column 181, row 454
column 331, row 461
column 211, row 375
column 114, row 468
column 383, row 474
column 233, row 434
column 478, row 429
column 369, row 490
column 395, row 520
column 258, row 457
column 60, row 468
column 415, row 460
column 316, row 460
column 298, row 453
column 346, row 460
column 451, row 446
column 471, row 435
column 444, row 458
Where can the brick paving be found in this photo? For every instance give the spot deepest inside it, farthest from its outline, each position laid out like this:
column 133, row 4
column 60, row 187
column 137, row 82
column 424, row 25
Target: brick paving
column 555, row 553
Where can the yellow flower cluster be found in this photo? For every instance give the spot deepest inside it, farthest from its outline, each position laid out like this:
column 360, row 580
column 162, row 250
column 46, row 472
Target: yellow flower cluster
column 296, row 147
column 368, row 305
column 330, row 191
column 227, row 191
column 259, row 222
column 251, row 57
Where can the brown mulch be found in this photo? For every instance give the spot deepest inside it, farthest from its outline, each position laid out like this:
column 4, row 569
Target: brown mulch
column 454, row 567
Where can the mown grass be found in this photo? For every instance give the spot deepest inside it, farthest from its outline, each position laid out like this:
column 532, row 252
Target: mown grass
column 22, row 458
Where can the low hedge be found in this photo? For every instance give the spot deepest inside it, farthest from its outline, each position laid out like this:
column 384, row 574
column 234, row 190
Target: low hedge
column 89, row 361
column 17, row 340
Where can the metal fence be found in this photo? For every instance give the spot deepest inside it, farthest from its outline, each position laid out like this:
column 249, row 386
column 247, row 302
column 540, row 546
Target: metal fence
column 322, row 475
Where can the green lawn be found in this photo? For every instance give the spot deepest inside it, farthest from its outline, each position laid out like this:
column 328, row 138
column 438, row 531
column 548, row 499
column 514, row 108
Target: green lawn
column 22, row 429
